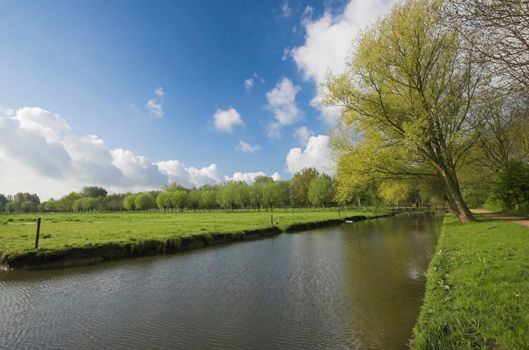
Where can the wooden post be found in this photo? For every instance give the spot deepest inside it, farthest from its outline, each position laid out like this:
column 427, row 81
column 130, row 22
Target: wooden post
column 214, row 222
column 37, row 234
column 271, row 220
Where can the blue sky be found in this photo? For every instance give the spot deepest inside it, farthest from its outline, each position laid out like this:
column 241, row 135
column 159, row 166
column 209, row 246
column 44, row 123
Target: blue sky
column 93, row 67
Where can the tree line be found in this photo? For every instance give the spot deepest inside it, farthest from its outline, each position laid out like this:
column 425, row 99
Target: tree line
column 307, row 188
column 435, row 100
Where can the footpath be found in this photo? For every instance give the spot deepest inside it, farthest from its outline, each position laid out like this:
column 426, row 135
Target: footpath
column 520, row 220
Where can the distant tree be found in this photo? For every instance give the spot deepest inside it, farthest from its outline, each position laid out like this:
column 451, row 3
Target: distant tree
column 144, row 201
column 3, row 201
column 179, row 199
column 49, row 205
column 226, row 195
column 284, row 193
column 11, row 207
column 173, row 186
column 320, row 192
column 86, row 204
column 113, row 202
column 93, row 191
column 26, row 202
column 193, row 199
column 77, row 205
column 66, row 202
column 511, row 185
column 129, row 202
column 299, row 186
column 241, row 194
column 164, row 200
column 208, row 198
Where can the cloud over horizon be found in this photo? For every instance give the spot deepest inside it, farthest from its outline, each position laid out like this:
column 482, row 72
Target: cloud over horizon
column 40, row 153
column 316, row 154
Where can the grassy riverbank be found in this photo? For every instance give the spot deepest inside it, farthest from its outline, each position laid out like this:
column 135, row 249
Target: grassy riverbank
column 477, row 293
column 62, row 232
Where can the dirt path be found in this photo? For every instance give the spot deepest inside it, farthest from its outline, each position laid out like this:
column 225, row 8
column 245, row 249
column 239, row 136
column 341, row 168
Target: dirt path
column 520, row 220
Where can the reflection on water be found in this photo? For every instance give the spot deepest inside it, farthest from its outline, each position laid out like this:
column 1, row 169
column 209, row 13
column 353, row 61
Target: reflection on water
column 352, row 286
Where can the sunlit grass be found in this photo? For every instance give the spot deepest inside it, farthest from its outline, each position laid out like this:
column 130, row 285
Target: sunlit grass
column 68, row 230
column 477, row 293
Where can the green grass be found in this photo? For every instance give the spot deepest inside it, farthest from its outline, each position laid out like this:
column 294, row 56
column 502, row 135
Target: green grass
column 477, row 292
column 69, row 230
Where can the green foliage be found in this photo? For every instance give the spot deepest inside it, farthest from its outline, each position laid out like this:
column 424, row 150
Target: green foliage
column 511, row 185
column 410, row 88
column 3, row 201
column 299, row 187
column 477, row 295
column 86, row 204
column 93, row 191
column 320, row 192
column 144, row 201
column 178, row 199
column 208, row 198
column 129, row 202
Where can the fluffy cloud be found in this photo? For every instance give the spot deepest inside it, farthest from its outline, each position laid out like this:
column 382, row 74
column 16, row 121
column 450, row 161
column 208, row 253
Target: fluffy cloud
column 303, row 134
column 39, row 153
column 250, row 176
column 227, row 119
column 245, row 147
column 248, row 84
column 286, row 11
column 282, row 101
column 317, row 154
column 189, row 176
column 328, row 42
column 155, row 104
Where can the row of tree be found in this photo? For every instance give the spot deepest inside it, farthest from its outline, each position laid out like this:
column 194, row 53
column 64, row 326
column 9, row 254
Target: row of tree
column 435, row 99
column 307, row 188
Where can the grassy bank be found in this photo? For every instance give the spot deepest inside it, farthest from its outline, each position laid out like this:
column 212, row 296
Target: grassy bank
column 477, row 293
column 61, row 232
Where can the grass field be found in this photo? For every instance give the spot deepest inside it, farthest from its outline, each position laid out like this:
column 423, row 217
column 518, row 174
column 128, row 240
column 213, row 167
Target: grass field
column 477, row 293
column 69, row 230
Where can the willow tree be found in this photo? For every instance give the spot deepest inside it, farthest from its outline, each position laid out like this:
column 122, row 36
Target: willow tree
column 412, row 84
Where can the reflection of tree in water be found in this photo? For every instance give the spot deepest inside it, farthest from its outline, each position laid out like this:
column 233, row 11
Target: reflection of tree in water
column 385, row 263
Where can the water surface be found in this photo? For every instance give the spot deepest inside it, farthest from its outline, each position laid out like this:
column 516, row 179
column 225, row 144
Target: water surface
column 355, row 286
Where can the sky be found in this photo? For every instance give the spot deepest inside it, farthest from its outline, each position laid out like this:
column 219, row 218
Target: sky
column 131, row 95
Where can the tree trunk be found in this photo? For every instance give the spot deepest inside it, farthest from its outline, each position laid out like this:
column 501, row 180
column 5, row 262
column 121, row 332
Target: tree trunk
column 454, row 196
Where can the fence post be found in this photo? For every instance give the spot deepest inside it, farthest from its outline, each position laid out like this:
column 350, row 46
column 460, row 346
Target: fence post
column 271, row 220
column 37, row 234
column 214, row 222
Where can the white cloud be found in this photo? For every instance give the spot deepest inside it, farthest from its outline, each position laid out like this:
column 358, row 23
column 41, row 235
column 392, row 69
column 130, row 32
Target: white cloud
column 250, row 176
column 286, row 11
column 189, row 176
column 227, row 119
column 282, row 101
column 155, row 104
column 245, row 147
column 302, row 135
column 317, row 154
column 39, row 153
column 248, row 84
column 328, row 43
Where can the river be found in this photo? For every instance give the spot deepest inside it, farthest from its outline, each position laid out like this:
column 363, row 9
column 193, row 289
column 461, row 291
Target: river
column 354, row 286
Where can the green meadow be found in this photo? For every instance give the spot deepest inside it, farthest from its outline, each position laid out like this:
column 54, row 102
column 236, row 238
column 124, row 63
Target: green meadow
column 477, row 293
column 62, row 231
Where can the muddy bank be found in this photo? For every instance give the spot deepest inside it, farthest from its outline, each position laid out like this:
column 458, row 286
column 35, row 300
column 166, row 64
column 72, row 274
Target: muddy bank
column 91, row 254
column 98, row 253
